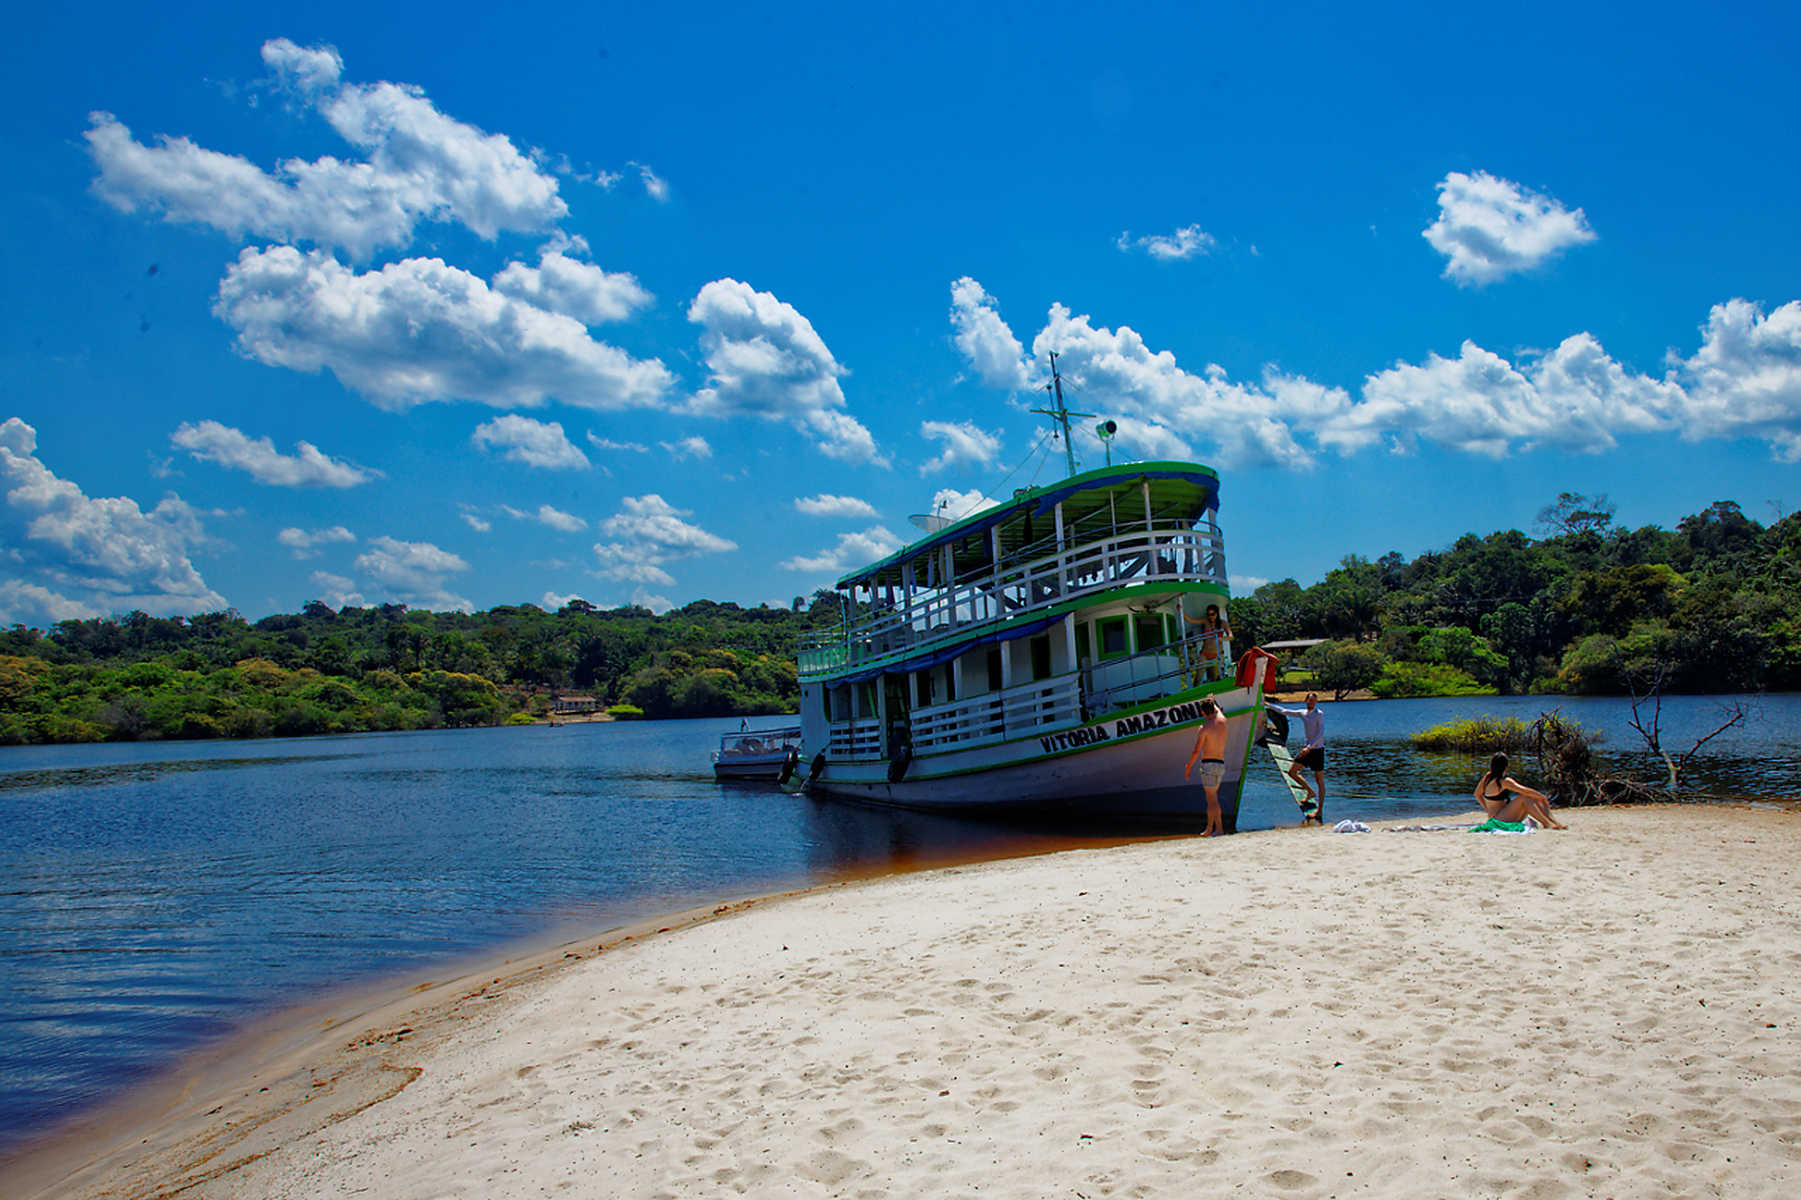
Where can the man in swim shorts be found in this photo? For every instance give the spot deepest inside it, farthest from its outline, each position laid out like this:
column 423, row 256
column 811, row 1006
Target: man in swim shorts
column 1210, row 748
column 1313, row 756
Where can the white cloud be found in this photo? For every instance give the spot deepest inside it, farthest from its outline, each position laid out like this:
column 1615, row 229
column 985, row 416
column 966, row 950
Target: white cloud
column 555, row 518
column 953, row 505
column 336, row 590
column 655, row 186
column 852, row 550
column 1575, row 397
column 1489, row 228
column 417, row 164
column 1152, row 398
column 24, row 603
column 824, row 505
column 688, row 447
column 474, row 520
column 985, row 339
column 305, row 543
column 419, row 330
column 1185, row 243
column 307, row 69
column 413, row 573
column 210, row 441
column 645, row 598
column 963, row 443
column 610, row 444
column 1745, row 380
column 574, row 288
column 534, row 443
column 766, row 361
column 553, row 601
column 648, row 532
column 64, row 550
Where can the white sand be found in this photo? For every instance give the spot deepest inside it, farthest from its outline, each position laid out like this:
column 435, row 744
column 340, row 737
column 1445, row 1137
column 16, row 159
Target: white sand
column 1611, row 1011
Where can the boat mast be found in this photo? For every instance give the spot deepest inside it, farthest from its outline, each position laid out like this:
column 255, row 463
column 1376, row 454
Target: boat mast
column 1060, row 414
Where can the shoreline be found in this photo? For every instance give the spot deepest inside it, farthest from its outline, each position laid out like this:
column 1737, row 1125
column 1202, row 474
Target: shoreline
column 237, row 1121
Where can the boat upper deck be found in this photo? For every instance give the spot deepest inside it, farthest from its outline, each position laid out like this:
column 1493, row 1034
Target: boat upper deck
column 1134, row 524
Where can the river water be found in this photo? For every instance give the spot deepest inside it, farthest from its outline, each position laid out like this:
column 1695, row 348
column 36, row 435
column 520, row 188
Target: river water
column 154, row 897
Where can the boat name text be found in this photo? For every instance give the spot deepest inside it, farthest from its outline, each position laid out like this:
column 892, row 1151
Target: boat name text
column 1091, row 735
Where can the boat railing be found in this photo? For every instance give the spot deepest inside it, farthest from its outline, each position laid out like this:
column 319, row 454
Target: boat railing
column 855, row 739
column 995, row 716
column 1074, row 697
column 1144, row 552
column 760, row 741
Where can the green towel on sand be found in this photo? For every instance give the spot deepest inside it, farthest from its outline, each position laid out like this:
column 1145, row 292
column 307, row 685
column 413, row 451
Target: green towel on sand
column 1493, row 826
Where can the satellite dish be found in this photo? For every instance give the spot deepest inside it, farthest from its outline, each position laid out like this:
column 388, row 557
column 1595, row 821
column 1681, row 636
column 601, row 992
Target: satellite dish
column 930, row 522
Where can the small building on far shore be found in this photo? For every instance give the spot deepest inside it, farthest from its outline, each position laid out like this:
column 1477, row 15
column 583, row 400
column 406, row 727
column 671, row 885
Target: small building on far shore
column 561, row 705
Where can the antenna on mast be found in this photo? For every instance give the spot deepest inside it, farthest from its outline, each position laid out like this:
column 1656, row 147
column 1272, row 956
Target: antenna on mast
column 1060, row 414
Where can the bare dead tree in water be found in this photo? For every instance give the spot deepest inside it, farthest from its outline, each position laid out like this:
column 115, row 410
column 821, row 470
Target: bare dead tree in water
column 1568, row 766
column 1652, row 733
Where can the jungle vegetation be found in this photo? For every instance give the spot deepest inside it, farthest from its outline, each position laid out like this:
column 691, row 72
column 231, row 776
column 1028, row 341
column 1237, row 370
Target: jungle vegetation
column 1588, row 606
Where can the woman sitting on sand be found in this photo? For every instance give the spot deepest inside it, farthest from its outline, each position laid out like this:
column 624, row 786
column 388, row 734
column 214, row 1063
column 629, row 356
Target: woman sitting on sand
column 1505, row 798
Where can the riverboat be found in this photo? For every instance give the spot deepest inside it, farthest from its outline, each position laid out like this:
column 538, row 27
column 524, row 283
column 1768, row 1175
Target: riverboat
column 770, row 754
column 1044, row 656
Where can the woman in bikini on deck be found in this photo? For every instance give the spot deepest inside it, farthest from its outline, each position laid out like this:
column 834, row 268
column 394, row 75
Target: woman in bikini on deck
column 1505, row 798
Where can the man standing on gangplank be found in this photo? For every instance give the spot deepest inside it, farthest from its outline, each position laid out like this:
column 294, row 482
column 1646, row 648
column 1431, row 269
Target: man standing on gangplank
column 1313, row 755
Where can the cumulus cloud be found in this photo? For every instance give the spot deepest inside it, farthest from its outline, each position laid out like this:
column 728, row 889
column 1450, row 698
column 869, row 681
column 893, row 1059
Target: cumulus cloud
column 308, row 466
column 305, row 543
column 578, row 289
column 1489, row 228
column 688, row 447
column 824, row 505
column 648, row 532
column 416, row 164
column 534, row 443
column 413, row 573
column 964, row 444
column 336, row 590
column 420, row 330
column 1745, row 380
column 1187, row 242
column 67, row 553
column 953, row 505
column 766, row 361
column 851, row 551
column 984, row 338
column 552, row 601
column 1153, row 398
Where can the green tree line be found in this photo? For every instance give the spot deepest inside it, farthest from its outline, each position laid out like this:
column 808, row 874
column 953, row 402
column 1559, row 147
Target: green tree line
column 1589, row 607
column 389, row 667
column 1586, row 607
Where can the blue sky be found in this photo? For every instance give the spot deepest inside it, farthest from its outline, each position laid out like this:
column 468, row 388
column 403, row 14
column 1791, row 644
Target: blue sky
column 461, row 308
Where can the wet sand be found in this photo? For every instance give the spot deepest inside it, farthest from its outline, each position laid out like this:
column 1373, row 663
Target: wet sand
column 1608, row 1011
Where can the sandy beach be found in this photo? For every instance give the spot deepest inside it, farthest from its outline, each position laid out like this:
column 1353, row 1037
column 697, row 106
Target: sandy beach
column 1611, row 1011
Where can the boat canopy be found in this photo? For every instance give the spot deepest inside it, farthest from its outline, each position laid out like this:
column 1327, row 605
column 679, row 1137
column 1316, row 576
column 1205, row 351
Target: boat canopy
column 1178, row 492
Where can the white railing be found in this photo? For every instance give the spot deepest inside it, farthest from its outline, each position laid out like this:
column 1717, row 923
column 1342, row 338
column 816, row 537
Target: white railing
column 856, row 739
column 1163, row 551
column 994, row 716
column 1071, row 698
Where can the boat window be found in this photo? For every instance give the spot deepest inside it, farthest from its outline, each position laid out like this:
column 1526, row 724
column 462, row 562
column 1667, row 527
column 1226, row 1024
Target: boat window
column 950, row 682
column 1112, row 634
column 994, row 668
column 1041, row 658
column 925, row 687
column 1147, row 628
column 1084, row 653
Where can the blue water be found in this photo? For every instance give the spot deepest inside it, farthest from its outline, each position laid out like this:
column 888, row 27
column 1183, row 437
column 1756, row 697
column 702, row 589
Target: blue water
column 153, row 897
